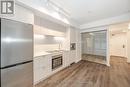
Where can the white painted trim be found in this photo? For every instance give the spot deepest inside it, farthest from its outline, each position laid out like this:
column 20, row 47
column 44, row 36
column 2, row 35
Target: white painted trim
column 78, row 60
column 107, row 21
column 108, row 48
column 128, row 47
column 94, row 29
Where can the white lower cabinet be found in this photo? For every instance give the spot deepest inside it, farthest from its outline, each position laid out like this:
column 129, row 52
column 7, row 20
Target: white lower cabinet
column 66, row 58
column 72, row 56
column 42, row 68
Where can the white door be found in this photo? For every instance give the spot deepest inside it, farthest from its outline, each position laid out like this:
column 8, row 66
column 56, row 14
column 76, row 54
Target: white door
column 118, row 45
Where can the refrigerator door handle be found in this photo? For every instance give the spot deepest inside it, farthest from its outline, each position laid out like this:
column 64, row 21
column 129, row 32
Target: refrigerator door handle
column 9, row 66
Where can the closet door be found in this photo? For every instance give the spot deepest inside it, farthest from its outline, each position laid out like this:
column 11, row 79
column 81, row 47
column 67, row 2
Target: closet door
column 87, row 43
column 100, row 43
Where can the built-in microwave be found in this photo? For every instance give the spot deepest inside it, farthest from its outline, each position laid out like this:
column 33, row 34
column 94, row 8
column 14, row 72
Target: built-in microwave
column 73, row 46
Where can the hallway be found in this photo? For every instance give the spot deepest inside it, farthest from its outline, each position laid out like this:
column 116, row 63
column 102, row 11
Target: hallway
column 89, row 74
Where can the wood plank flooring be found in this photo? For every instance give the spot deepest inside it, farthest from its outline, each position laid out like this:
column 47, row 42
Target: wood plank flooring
column 89, row 74
column 94, row 58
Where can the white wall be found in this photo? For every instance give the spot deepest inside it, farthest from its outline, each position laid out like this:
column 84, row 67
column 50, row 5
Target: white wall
column 45, row 47
column 128, row 46
column 116, row 45
column 22, row 14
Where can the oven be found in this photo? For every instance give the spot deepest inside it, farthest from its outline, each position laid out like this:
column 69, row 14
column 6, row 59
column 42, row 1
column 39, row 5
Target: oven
column 57, row 61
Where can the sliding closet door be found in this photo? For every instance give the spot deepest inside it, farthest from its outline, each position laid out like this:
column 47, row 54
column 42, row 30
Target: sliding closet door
column 87, row 43
column 94, row 43
column 100, row 43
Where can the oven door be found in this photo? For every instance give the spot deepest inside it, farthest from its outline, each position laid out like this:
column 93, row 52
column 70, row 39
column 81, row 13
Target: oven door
column 56, row 62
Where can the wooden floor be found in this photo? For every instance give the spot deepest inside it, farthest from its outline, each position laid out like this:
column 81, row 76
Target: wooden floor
column 89, row 74
column 94, row 58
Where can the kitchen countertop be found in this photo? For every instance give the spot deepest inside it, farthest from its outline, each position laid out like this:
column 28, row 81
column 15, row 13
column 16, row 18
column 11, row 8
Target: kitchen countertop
column 41, row 54
column 53, row 53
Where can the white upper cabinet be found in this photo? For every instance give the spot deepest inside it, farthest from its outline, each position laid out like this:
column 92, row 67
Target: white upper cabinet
column 45, row 31
column 47, row 27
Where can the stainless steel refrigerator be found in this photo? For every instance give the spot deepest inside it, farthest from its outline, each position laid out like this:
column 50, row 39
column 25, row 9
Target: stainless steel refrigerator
column 16, row 54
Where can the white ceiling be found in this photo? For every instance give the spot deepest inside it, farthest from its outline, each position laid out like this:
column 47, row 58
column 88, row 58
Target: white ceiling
column 84, row 11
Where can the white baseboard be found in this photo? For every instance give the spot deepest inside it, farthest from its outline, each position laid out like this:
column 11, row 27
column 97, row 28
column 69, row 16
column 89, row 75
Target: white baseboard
column 77, row 61
column 108, row 64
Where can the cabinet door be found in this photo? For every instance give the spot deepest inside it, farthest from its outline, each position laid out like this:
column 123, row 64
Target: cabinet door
column 42, row 61
column 72, row 35
column 72, row 56
column 42, row 68
column 66, row 58
column 38, row 75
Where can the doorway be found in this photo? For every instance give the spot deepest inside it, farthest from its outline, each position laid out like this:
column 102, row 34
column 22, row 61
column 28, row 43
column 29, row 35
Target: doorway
column 118, row 41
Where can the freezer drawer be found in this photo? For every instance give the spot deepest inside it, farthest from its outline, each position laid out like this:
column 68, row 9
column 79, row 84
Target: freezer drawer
column 18, row 76
column 16, row 42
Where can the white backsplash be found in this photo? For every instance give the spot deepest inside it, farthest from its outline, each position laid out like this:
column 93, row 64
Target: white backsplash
column 46, row 47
